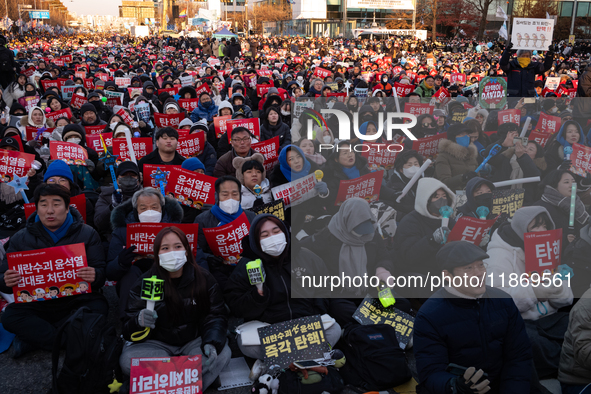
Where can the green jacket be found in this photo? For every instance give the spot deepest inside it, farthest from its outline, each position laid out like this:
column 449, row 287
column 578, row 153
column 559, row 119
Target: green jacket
column 221, row 49
column 424, row 92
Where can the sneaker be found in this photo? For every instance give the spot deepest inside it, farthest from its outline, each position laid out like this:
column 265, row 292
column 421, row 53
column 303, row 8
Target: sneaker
column 257, row 370
column 20, row 348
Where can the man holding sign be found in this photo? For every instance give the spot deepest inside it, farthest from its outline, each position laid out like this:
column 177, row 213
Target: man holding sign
column 55, row 223
column 521, row 72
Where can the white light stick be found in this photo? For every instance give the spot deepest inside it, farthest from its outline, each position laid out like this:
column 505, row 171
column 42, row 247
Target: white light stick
column 525, row 126
column 517, row 181
column 414, row 179
column 130, row 146
column 395, row 93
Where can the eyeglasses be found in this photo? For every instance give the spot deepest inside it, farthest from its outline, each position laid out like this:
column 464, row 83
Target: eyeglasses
column 240, row 140
column 59, row 181
column 427, row 124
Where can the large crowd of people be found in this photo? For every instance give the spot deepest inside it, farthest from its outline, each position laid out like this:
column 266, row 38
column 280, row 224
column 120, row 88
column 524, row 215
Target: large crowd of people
column 168, row 89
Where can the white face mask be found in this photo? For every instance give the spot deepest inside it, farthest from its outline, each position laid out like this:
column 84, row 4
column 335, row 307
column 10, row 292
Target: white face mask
column 410, row 172
column 274, row 245
column 285, row 113
column 150, row 216
column 113, row 125
column 173, row 261
column 230, row 206
column 326, row 139
column 74, row 140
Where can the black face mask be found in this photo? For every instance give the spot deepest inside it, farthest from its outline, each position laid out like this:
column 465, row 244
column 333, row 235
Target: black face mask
column 434, row 206
column 128, row 185
column 484, row 200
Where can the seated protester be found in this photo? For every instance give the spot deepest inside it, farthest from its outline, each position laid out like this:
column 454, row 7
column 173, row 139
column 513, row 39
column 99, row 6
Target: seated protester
column 270, row 240
column 190, row 321
column 123, row 264
column 477, row 136
column 461, row 322
column 26, row 147
column 224, row 109
column 55, row 223
column 185, row 124
column 250, row 171
column 191, row 212
column 441, row 119
column 570, row 133
column 207, row 156
column 129, row 182
column 238, row 104
column 36, row 118
column 206, row 109
column 12, row 211
column 241, row 141
column 310, row 150
column 146, row 123
column 103, row 112
column 538, row 305
column 556, row 190
column 420, row 234
column 479, row 193
column 87, row 177
column 406, row 165
column 370, row 128
column 286, row 112
column 224, row 145
column 227, row 208
column 457, row 158
column 574, row 372
column 167, row 139
column 576, row 256
column 89, row 115
column 273, row 126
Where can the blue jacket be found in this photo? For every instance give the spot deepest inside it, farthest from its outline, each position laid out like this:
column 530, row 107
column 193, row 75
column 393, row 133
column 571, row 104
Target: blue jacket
column 208, row 157
column 487, row 334
column 204, row 113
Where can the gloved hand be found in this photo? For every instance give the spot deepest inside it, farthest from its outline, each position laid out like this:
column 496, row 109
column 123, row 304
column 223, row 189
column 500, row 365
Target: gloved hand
column 211, row 354
column 468, row 175
column 142, row 124
column 509, row 45
column 258, row 202
column 116, row 198
column 90, row 165
column 565, row 165
column 321, row 188
column 126, row 257
column 440, row 235
column 468, row 383
column 147, row 318
column 485, row 240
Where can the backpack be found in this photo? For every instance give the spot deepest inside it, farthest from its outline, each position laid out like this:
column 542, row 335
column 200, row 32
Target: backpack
column 291, row 383
column 92, row 354
column 375, row 360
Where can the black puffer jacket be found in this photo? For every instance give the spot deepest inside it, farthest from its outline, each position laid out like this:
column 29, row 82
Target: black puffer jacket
column 280, row 130
column 33, row 237
column 211, row 327
column 520, row 81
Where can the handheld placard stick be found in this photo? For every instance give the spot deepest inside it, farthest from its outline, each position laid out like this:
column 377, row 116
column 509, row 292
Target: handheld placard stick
column 517, row 181
column 445, row 212
column 525, row 127
column 152, row 291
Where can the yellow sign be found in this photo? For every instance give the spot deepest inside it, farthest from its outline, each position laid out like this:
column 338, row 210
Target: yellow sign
column 571, row 39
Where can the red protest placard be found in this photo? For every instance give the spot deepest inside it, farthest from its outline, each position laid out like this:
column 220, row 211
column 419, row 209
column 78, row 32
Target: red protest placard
column 93, row 141
column 539, row 137
column 168, row 120
column 191, row 145
column 509, row 116
column 29, row 71
column 203, row 88
column 418, row 109
column 189, row 104
column 63, row 113
column 581, row 160
column 190, row 188
column 80, row 74
column 456, row 78
column 152, row 168
column 428, row 146
column 49, row 273
column 141, row 147
column 366, row 186
column 113, row 101
column 48, row 83
column 180, row 374
column 269, row 149
column 542, row 251
column 442, row 95
column 142, row 235
column 470, row 229
column 14, row 163
column 265, row 73
column 321, row 73
column 252, row 124
column 263, row 89
column 29, row 102
column 31, row 132
column 68, row 152
column 89, row 83
column 548, row 123
column 125, row 116
column 78, row 202
column 380, row 156
column 98, row 129
column 220, row 126
column 225, row 241
column 403, row 90
column 122, row 82
column 78, row 101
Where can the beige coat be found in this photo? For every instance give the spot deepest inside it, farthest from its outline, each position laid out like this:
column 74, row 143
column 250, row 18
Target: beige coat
column 453, row 161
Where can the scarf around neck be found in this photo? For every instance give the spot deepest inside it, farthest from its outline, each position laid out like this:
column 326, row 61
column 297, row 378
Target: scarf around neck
column 60, row 232
column 553, row 196
column 224, row 217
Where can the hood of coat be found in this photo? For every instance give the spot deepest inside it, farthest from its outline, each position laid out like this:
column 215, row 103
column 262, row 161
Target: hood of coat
column 458, row 151
column 426, row 188
column 254, row 239
column 124, row 213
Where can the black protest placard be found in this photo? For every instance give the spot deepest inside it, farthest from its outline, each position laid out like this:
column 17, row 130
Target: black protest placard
column 507, row 201
column 275, row 208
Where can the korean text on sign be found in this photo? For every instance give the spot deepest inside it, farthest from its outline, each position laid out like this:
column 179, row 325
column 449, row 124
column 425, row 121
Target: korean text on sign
column 190, row 188
column 370, row 311
column 366, row 186
column 170, row 375
column 542, row 251
column 142, row 235
column 69, row 152
column 226, row 241
column 507, row 201
column 296, row 192
column 14, row 163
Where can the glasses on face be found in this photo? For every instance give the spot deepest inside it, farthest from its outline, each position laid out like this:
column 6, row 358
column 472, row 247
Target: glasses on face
column 59, row 181
column 428, row 124
column 241, row 140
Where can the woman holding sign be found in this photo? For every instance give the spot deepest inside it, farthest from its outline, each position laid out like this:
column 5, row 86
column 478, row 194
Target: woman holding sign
column 190, row 320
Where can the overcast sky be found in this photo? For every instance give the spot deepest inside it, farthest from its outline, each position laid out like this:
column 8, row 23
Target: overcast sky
column 93, row 7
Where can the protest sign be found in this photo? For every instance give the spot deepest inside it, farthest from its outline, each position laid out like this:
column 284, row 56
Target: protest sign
column 275, row 208
column 371, row 311
column 402, row 90
column 14, row 163
column 142, row 235
column 507, row 201
column 321, row 73
column 203, row 88
column 252, row 124
column 470, row 229
column 539, row 137
column 190, row 188
column 265, row 73
column 581, row 160
column 78, row 202
column 296, row 192
column 122, row 82
column 220, row 125
column 492, row 93
column 459, row 116
column 168, row 120
column 366, row 186
column 442, row 95
column 143, row 112
column 49, row 83
column 428, row 147
column 418, row 109
column 62, row 113
column 78, row 101
column 141, row 147
column 125, row 116
column 98, row 129
column 542, row 251
column 300, row 105
column 457, row 79
column 189, row 104
column 532, row 33
column 269, row 149
column 150, row 169
column 293, row 340
column 94, row 142
column 360, row 92
column 226, row 241
column 191, row 145
column 49, row 273
column 263, row 89
column 29, row 102
column 510, row 116
column 68, row 91
column 548, row 123
column 552, row 83
column 380, row 156
column 179, row 375
column 31, row 133
column 68, row 152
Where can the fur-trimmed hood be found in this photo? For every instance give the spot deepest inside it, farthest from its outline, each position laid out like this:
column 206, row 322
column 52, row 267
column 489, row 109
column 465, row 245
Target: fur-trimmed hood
column 124, row 213
column 458, row 151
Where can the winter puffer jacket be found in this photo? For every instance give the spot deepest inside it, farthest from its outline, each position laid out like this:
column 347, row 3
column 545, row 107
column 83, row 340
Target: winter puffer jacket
column 280, row 130
column 453, row 161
